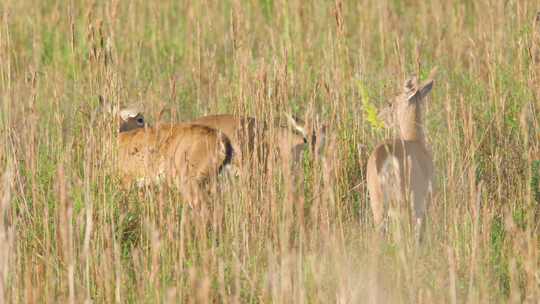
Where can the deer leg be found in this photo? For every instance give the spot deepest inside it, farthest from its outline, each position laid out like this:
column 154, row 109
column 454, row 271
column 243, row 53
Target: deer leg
column 378, row 209
column 419, row 199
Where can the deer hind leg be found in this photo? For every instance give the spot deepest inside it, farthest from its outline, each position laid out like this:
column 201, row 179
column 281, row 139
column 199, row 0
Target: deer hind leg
column 391, row 194
column 378, row 209
column 419, row 226
column 376, row 199
column 416, row 191
column 419, row 200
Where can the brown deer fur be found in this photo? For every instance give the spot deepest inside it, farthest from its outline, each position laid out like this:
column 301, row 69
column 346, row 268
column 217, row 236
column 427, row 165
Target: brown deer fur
column 187, row 155
column 248, row 136
column 400, row 171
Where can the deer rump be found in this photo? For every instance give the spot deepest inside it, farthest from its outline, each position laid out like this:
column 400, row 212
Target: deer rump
column 403, row 173
column 404, row 169
column 180, row 153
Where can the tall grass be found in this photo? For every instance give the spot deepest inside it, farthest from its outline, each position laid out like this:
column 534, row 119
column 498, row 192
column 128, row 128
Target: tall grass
column 69, row 233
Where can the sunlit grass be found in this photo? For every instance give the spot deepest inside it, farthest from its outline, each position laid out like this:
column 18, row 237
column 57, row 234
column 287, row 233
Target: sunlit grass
column 69, row 232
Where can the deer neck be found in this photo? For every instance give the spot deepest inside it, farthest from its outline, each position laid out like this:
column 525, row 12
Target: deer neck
column 411, row 126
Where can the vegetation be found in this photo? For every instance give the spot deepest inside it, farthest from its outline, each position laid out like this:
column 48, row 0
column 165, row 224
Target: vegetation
column 68, row 232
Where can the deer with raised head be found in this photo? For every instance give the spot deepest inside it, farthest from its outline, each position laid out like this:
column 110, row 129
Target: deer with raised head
column 242, row 132
column 187, row 155
column 400, row 171
column 249, row 136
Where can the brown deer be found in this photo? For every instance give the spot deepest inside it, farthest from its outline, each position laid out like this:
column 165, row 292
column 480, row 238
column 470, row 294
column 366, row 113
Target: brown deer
column 187, row 155
column 249, row 136
column 401, row 171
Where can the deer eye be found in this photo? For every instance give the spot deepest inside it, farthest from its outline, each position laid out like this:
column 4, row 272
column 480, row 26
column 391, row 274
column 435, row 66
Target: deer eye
column 140, row 121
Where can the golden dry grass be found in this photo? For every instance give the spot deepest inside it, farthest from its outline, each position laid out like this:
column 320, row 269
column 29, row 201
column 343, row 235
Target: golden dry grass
column 68, row 233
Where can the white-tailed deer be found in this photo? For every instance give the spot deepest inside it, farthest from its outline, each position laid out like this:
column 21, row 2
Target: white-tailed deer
column 242, row 132
column 401, row 171
column 185, row 154
column 249, row 136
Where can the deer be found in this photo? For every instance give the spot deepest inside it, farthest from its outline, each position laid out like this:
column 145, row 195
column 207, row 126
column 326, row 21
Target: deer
column 249, row 136
column 187, row 155
column 401, row 171
column 241, row 130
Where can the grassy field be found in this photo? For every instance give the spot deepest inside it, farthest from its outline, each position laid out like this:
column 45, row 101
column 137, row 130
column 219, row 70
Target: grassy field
column 69, row 233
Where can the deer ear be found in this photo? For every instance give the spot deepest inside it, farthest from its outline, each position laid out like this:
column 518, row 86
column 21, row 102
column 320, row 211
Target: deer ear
column 426, row 88
column 410, row 84
column 294, row 123
column 128, row 113
column 428, row 84
column 421, row 91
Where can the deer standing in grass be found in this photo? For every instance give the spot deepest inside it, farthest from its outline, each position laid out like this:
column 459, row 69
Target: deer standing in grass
column 187, row 155
column 249, row 136
column 401, row 171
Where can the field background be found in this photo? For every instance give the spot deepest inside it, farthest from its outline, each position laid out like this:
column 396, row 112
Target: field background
column 68, row 233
